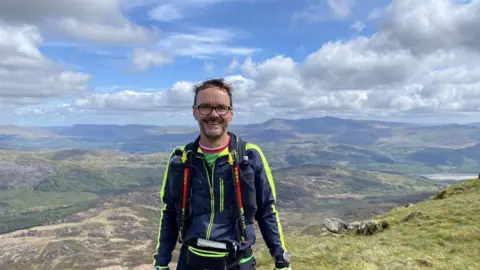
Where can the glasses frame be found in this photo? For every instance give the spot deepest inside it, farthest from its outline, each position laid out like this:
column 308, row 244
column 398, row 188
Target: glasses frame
column 198, row 107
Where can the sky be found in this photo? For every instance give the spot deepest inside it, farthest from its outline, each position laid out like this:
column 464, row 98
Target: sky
column 136, row 61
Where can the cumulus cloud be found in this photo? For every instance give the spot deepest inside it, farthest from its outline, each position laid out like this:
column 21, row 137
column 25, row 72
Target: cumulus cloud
column 422, row 60
column 26, row 75
column 100, row 22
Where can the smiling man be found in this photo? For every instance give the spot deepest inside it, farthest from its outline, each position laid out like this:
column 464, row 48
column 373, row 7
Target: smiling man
column 213, row 189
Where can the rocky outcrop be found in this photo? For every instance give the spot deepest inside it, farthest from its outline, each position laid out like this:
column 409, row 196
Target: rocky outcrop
column 366, row 227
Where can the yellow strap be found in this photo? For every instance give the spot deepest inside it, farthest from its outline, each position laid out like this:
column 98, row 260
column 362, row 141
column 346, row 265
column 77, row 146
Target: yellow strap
column 184, row 157
column 230, row 158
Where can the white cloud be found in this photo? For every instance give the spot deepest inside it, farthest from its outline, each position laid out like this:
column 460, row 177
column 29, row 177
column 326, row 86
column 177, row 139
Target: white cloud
column 166, row 13
column 26, row 75
column 341, row 8
column 100, row 22
column 173, row 10
column 321, row 10
column 426, row 26
column 358, row 26
column 143, row 59
column 423, row 60
column 200, row 43
column 233, row 65
column 205, row 42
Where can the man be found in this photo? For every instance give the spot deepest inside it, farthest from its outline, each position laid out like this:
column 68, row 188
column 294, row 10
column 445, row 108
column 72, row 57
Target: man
column 212, row 215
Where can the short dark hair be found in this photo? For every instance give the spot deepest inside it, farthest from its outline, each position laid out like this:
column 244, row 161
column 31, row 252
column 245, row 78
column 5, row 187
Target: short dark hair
column 218, row 83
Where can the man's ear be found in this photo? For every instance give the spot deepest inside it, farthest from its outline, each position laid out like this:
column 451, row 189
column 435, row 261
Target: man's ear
column 194, row 113
column 231, row 114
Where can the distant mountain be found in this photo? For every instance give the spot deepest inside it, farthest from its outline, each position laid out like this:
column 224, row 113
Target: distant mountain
column 434, row 156
column 377, row 145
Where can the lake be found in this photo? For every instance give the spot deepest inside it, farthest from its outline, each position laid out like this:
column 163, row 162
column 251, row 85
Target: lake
column 450, row 176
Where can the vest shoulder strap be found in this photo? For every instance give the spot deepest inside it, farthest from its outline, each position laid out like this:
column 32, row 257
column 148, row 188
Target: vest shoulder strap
column 242, row 149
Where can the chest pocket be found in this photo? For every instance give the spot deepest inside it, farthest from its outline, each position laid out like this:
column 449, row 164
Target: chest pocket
column 201, row 197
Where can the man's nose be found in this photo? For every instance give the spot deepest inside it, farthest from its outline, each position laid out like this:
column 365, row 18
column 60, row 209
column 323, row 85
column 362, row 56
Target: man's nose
column 214, row 112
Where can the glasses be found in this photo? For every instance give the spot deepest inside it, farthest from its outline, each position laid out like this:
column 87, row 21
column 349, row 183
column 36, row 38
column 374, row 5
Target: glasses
column 206, row 109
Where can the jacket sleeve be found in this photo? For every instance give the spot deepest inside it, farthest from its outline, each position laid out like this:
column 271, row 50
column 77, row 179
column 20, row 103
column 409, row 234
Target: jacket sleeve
column 167, row 231
column 267, row 216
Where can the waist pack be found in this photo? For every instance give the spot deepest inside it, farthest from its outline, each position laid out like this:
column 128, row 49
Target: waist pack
column 204, row 254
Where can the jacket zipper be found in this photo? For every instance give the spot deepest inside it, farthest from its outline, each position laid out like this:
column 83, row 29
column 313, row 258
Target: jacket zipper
column 221, row 194
column 212, row 199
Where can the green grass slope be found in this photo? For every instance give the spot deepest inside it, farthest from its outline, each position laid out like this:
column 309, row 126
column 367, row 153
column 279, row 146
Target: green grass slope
column 39, row 187
column 440, row 233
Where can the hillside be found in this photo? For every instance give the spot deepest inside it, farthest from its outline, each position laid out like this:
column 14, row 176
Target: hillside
column 120, row 231
column 435, row 156
column 304, row 182
column 37, row 187
column 371, row 145
column 439, row 233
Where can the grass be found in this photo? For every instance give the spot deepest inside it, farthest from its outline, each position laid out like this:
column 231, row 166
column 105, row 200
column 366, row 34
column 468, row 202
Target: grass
column 25, row 208
column 442, row 233
column 29, row 200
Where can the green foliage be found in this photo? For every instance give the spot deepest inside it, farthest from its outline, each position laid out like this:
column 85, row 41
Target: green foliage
column 26, row 199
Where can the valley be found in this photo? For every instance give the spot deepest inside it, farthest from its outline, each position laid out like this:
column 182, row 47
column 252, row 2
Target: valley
column 87, row 196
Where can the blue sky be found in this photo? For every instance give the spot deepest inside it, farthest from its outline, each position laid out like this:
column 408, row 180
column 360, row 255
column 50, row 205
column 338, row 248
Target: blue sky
column 268, row 26
column 122, row 61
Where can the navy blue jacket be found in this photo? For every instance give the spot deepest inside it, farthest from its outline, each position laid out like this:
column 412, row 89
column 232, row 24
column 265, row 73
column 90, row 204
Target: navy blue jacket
column 212, row 211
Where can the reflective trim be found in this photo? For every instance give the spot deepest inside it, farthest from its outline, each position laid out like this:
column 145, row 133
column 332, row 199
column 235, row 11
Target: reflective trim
column 207, row 253
column 162, row 194
column 268, row 173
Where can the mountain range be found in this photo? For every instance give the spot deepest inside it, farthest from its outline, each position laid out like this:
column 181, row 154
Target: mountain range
column 375, row 145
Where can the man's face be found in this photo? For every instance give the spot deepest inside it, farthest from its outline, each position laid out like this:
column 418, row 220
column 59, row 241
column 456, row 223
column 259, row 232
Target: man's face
column 214, row 124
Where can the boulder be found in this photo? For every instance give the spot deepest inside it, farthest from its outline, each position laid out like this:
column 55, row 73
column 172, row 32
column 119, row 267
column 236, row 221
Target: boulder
column 366, row 227
column 335, row 225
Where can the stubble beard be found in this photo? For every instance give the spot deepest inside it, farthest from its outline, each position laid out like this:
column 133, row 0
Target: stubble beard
column 217, row 132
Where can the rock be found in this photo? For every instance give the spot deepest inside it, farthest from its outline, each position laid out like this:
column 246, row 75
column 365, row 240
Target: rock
column 366, row 227
column 413, row 215
column 424, row 262
column 409, row 205
column 335, row 225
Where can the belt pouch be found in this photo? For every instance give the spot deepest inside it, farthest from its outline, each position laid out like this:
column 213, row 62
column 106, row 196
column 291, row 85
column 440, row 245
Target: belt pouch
column 198, row 258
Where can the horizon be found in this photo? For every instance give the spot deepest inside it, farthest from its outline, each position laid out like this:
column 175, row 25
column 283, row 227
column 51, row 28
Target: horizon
column 194, row 124
column 136, row 61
